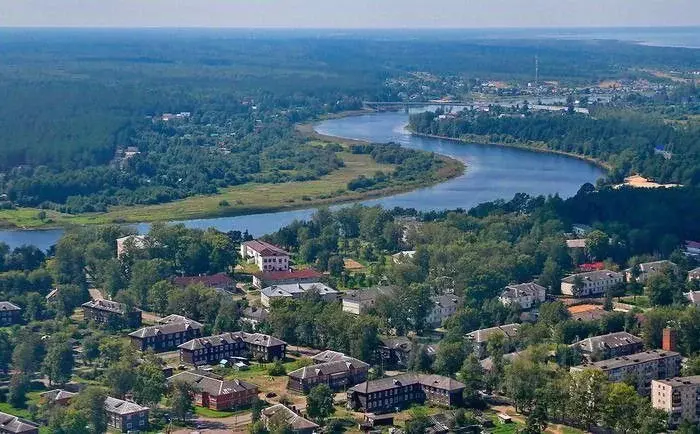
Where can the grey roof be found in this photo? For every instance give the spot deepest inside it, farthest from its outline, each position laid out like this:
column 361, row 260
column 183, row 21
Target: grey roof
column 437, row 381
column 694, row 272
column 211, row 385
column 522, row 290
column 482, row 335
column 106, row 305
column 396, row 342
column 292, row 289
column 609, row 341
column 651, row 267
column 293, row 420
column 255, row 313
column 445, row 300
column 7, row 306
column 57, row 395
column 173, row 318
column 593, row 276
column 119, row 406
column 369, row 294
column 167, row 329
column 329, row 368
column 631, row 360
column 487, row 363
column 328, row 356
column 250, row 338
column 578, row 243
column 13, row 424
column 681, row 381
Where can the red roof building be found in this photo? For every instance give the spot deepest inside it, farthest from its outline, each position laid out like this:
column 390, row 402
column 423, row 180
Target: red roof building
column 219, row 281
column 270, row 278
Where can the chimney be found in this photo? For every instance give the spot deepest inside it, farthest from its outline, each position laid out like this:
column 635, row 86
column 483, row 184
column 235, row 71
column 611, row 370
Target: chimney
column 670, row 337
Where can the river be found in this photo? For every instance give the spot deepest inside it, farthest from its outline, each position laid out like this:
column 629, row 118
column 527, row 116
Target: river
column 493, row 172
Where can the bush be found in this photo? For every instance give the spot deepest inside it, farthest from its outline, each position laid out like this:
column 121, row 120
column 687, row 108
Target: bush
column 277, row 369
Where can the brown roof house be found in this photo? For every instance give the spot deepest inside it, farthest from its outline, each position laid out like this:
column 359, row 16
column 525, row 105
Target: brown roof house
column 213, row 349
column 271, row 278
column 56, row 396
column 126, row 416
column 266, row 256
column 167, row 336
column 392, row 393
column 280, row 415
column 339, row 372
column 10, row 424
column 216, row 393
column 111, row 313
column 221, row 282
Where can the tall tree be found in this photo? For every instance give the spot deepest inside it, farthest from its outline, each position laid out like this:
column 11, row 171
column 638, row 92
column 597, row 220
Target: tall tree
column 181, row 399
column 90, row 405
column 149, row 383
column 319, row 402
column 58, row 363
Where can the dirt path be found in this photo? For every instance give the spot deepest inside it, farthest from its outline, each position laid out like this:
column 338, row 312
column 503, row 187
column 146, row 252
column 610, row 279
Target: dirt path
column 223, row 425
column 517, row 417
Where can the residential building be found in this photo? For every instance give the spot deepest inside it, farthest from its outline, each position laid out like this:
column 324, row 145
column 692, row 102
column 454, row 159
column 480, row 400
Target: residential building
column 641, row 368
column 106, row 311
column 444, row 306
column 270, row 278
column 592, row 283
column 213, row 349
column 166, row 337
column 10, row 424
column 692, row 248
column 221, row 282
column 389, row 394
column 10, row 313
column 679, row 397
column 216, row 393
column 138, row 242
column 126, row 415
column 297, row 290
column 609, row 346
column 338, row 373
column 56, row 396
column 403, row 257
column 576, row 244
column 693, row 297
column 581, row 230
column 279, row 414
column 360, row 301
column 487, row 363
column 395, row 351
column 479, row 338
column 694, row 274
column 648, row 269
column 266, row 256
column 525, row 295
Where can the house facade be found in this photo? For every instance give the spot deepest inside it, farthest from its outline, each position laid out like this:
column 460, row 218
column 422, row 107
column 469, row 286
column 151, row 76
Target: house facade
column 216, row 393
column 592, row 283
column 338, row 373
column 444, row 306
column 10, row 424
column 401, row 391
column 609, row 346
column 166, row 337
column 641, row 367
column 279, row 414
column 266, row 256
column 111, row 312
column 271, row 278
column 213, row 349
column 358, row 302
column 297, row 290
column 679, row 397
column 525, row 295
column 126, row 416
column 10, row 313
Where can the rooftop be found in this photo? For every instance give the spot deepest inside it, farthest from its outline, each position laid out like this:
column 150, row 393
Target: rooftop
column 650, row 267
column 522, row 290
column 609, row 341
column 57, row 395
column 6, row 306
column 167, row 329
column 265, row 249
column 593, row 276
column 307, row 273
column 215, row 280
column 212, row 385
column 482, row 335
column 576, row 244
column 250, row 338
column 437, row 381
column 344, row 364
column 106, row 305
column 291, row 289
column 293, row 420
column 634, row 359
column 369, row 294
column 119, row 406
column 681, row 381
column 13, row 424
column 327, row 356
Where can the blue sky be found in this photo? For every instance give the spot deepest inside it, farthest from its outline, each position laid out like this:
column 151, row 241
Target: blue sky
column 349, row 13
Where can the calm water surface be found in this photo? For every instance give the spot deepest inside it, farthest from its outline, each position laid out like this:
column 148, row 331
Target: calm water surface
column 492, row 173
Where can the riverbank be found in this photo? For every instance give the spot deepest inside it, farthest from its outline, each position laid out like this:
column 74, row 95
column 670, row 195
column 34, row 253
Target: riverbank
column 248, row 198
column 538, row 147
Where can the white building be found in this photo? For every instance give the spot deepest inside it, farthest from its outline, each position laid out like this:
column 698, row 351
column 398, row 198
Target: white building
column 444, row 306
column 527, row 295
column 297, row 290
column 592, row 283
column 360, row 301
column 403, row 257
column 679, row 397
column 266, row 256
column 130, row 241
column 693, row 297
column 648, row 269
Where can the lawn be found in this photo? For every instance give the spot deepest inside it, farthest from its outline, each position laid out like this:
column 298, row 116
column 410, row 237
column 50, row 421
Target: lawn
column 637, row 300
column 214, row 414
column 19, row 412
column 569, row 430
